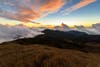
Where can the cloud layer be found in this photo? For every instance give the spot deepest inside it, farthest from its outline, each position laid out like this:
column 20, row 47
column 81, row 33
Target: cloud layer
column 80, row 4
column 94, row 30
column 27, row 10
column 8, row 33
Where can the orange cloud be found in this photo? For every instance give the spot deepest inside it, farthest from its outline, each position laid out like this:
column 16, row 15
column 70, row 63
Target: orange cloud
column 27, row 10
column 81, row 4
column 52, row 5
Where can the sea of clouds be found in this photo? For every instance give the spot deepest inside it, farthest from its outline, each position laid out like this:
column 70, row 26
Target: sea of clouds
column 9, row 33
column 93, row 30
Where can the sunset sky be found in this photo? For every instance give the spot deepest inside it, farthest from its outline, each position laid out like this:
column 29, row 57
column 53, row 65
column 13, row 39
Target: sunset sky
column 50, row 12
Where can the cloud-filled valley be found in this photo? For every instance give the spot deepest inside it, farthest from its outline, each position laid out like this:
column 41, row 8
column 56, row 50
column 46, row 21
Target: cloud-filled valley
column 8, row 33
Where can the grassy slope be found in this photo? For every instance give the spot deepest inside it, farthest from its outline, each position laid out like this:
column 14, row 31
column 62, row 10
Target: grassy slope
column 15, row 55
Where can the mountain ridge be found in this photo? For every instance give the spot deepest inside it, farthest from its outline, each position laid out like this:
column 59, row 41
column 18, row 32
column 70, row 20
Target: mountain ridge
column 52, row 49
column 64, row 40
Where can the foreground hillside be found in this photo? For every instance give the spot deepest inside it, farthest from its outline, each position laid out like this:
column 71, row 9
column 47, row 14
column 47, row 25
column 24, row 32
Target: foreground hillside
column 16, row 55
column 52, row 49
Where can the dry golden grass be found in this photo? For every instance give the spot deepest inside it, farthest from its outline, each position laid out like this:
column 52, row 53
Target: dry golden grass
column 15, row 55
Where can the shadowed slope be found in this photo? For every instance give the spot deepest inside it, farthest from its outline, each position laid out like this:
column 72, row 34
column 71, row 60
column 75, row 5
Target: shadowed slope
column 65, row 40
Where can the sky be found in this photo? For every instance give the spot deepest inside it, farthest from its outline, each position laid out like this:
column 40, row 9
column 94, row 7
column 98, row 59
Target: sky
column 49, row 12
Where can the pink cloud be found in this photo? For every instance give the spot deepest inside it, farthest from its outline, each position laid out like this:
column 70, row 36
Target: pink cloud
column 27, row 10
column 79, row 5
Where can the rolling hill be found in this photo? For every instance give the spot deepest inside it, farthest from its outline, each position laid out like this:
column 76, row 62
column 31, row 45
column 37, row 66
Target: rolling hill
column 52, row 49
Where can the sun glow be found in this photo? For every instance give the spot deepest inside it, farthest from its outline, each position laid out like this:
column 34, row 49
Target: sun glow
column 49, row 24
column 30, row 24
